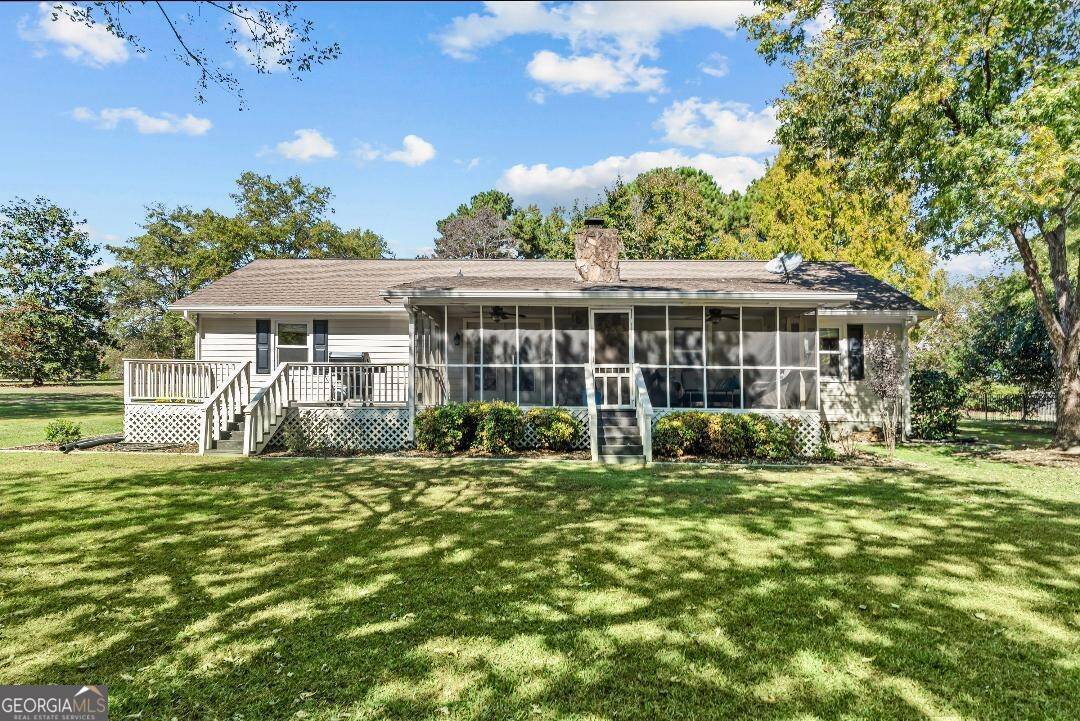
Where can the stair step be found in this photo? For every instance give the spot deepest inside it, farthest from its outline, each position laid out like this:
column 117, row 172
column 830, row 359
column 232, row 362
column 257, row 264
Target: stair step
column 224, row 452
column 619, row 431
column 617, row 422
column 622, row 460
column 621, row 449
column 230, row 444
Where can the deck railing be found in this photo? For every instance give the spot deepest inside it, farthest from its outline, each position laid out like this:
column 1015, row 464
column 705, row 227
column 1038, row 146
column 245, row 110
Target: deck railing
column 265, row 410
column 224, row 406
column 174, row 381
column 644, row 412
column 364, row 384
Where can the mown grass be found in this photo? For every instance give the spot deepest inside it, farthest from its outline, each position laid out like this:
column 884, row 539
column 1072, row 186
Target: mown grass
column 406, row 589
column 25, row 411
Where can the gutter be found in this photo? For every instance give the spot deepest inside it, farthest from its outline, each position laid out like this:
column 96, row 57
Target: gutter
column 818, row 298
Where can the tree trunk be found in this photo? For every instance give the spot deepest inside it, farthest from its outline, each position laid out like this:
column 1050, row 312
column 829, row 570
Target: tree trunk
column 1068, row 409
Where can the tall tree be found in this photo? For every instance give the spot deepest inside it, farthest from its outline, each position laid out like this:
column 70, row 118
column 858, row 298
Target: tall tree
column 666, row 213
column 480, row 229
column 808, row 209
column 541, row 236
column 974, row 104
column 270, row 39
column 52, row 311
column 180, row 250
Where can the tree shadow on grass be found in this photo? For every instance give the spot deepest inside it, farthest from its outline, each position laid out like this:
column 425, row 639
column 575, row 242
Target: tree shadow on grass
column 69, row 405
column 393, row 589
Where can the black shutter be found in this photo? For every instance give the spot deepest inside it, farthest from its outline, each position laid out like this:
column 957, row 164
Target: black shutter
column 856, row 367
column 262, row 345
column 318, row 327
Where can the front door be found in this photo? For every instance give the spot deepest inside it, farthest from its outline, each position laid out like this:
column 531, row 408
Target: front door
column 611, row 356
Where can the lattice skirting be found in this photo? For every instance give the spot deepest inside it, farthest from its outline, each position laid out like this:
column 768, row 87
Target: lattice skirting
column 350, row 429
column 161, row 423
column 580, row 443
column 808, row 431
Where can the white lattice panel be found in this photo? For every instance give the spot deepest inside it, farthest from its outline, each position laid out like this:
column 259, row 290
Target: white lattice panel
column 350, row 429
column 808, row 431
column 161, row 423
column 580, row 443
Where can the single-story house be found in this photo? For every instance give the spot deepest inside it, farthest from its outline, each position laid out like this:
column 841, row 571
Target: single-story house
column 350, row 350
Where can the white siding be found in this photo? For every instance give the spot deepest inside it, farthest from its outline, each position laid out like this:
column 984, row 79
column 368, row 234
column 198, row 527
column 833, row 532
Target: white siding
column 385, row 336
column 852, row 402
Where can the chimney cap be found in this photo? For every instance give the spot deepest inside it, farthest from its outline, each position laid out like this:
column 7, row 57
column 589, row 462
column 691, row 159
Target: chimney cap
column 594, row 222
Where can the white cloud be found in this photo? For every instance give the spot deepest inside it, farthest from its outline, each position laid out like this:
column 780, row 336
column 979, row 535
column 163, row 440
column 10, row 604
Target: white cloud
column 979, row 265
column 564, row 184
column 110, row 118
column 538, row 96
column 469, row 164
column 719, row 126
column 716, row 65
column 261, row 56
column 608, row 40
column 309, row 145
column 93, row 45
column 597, row 74
column 414, row 151
column 632, row 27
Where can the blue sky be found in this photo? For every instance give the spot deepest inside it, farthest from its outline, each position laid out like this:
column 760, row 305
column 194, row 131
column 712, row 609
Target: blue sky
column 428, row 104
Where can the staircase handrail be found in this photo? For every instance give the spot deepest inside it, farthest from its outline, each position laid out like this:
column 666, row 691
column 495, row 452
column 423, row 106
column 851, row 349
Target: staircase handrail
column 228, row 399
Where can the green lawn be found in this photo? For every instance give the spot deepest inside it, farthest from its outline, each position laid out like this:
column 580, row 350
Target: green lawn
column 25, row 411
column 272, row 589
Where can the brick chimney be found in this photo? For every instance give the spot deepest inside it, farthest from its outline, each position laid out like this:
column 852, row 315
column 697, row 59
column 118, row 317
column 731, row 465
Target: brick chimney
column 596, row 253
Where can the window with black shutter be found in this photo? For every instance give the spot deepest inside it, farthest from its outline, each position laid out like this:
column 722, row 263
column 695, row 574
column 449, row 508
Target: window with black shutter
column 262, row 345
column 319, row 330
column 856, row 367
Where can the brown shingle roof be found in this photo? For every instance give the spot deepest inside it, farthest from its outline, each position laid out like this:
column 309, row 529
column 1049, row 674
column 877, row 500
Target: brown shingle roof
column 363, row 283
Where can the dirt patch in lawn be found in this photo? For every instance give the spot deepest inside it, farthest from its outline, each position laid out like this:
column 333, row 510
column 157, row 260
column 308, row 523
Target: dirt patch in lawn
column 1045, row 457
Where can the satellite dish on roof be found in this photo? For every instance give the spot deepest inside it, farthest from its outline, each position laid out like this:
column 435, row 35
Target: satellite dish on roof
column 784, row 263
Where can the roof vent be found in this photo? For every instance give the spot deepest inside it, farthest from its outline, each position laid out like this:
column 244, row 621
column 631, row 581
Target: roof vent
column 784, row 263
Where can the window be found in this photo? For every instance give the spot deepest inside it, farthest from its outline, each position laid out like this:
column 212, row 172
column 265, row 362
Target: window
column 829, row 352
column 856, row 365
column 292, row 342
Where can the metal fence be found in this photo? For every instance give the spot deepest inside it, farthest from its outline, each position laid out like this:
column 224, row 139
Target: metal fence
column 1028, row 406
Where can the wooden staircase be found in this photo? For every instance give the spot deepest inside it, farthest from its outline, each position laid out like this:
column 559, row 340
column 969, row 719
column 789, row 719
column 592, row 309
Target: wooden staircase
column 231, row 442
column 618, row 436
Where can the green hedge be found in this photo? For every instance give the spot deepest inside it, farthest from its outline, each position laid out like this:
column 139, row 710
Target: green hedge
column 495, row 427
column 936, row 401
column 728, row 436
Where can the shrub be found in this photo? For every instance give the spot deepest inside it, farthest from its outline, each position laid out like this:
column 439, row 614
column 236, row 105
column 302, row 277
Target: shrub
column 728, row 436
column 936, row 401
column 61, row 431
column 294, row 439
column 556, row 429
column 500, row 427
column 443, row 429
column 671, row 436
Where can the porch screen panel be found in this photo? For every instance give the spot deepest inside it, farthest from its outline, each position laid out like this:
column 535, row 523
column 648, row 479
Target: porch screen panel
column 798, row 332
column 571, row 336
column 534, row 335
column 463, row 383
column 798, row 389
column 759, row 388
column 686, row 336
column 500, row 383
column 535, row 386
column 500, row 334
column 656, row 380
column 687, row 387
column 722, row 336
column 463, row 332
column 650, row 335
column 759, row 337
column 570, row 386
column 725, row 388
column 430, row 335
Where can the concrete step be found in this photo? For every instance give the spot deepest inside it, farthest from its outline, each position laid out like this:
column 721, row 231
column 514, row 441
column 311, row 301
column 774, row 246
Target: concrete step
column 617, row 422
column 231, row 445
column 225, row 451
column 619, row 431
